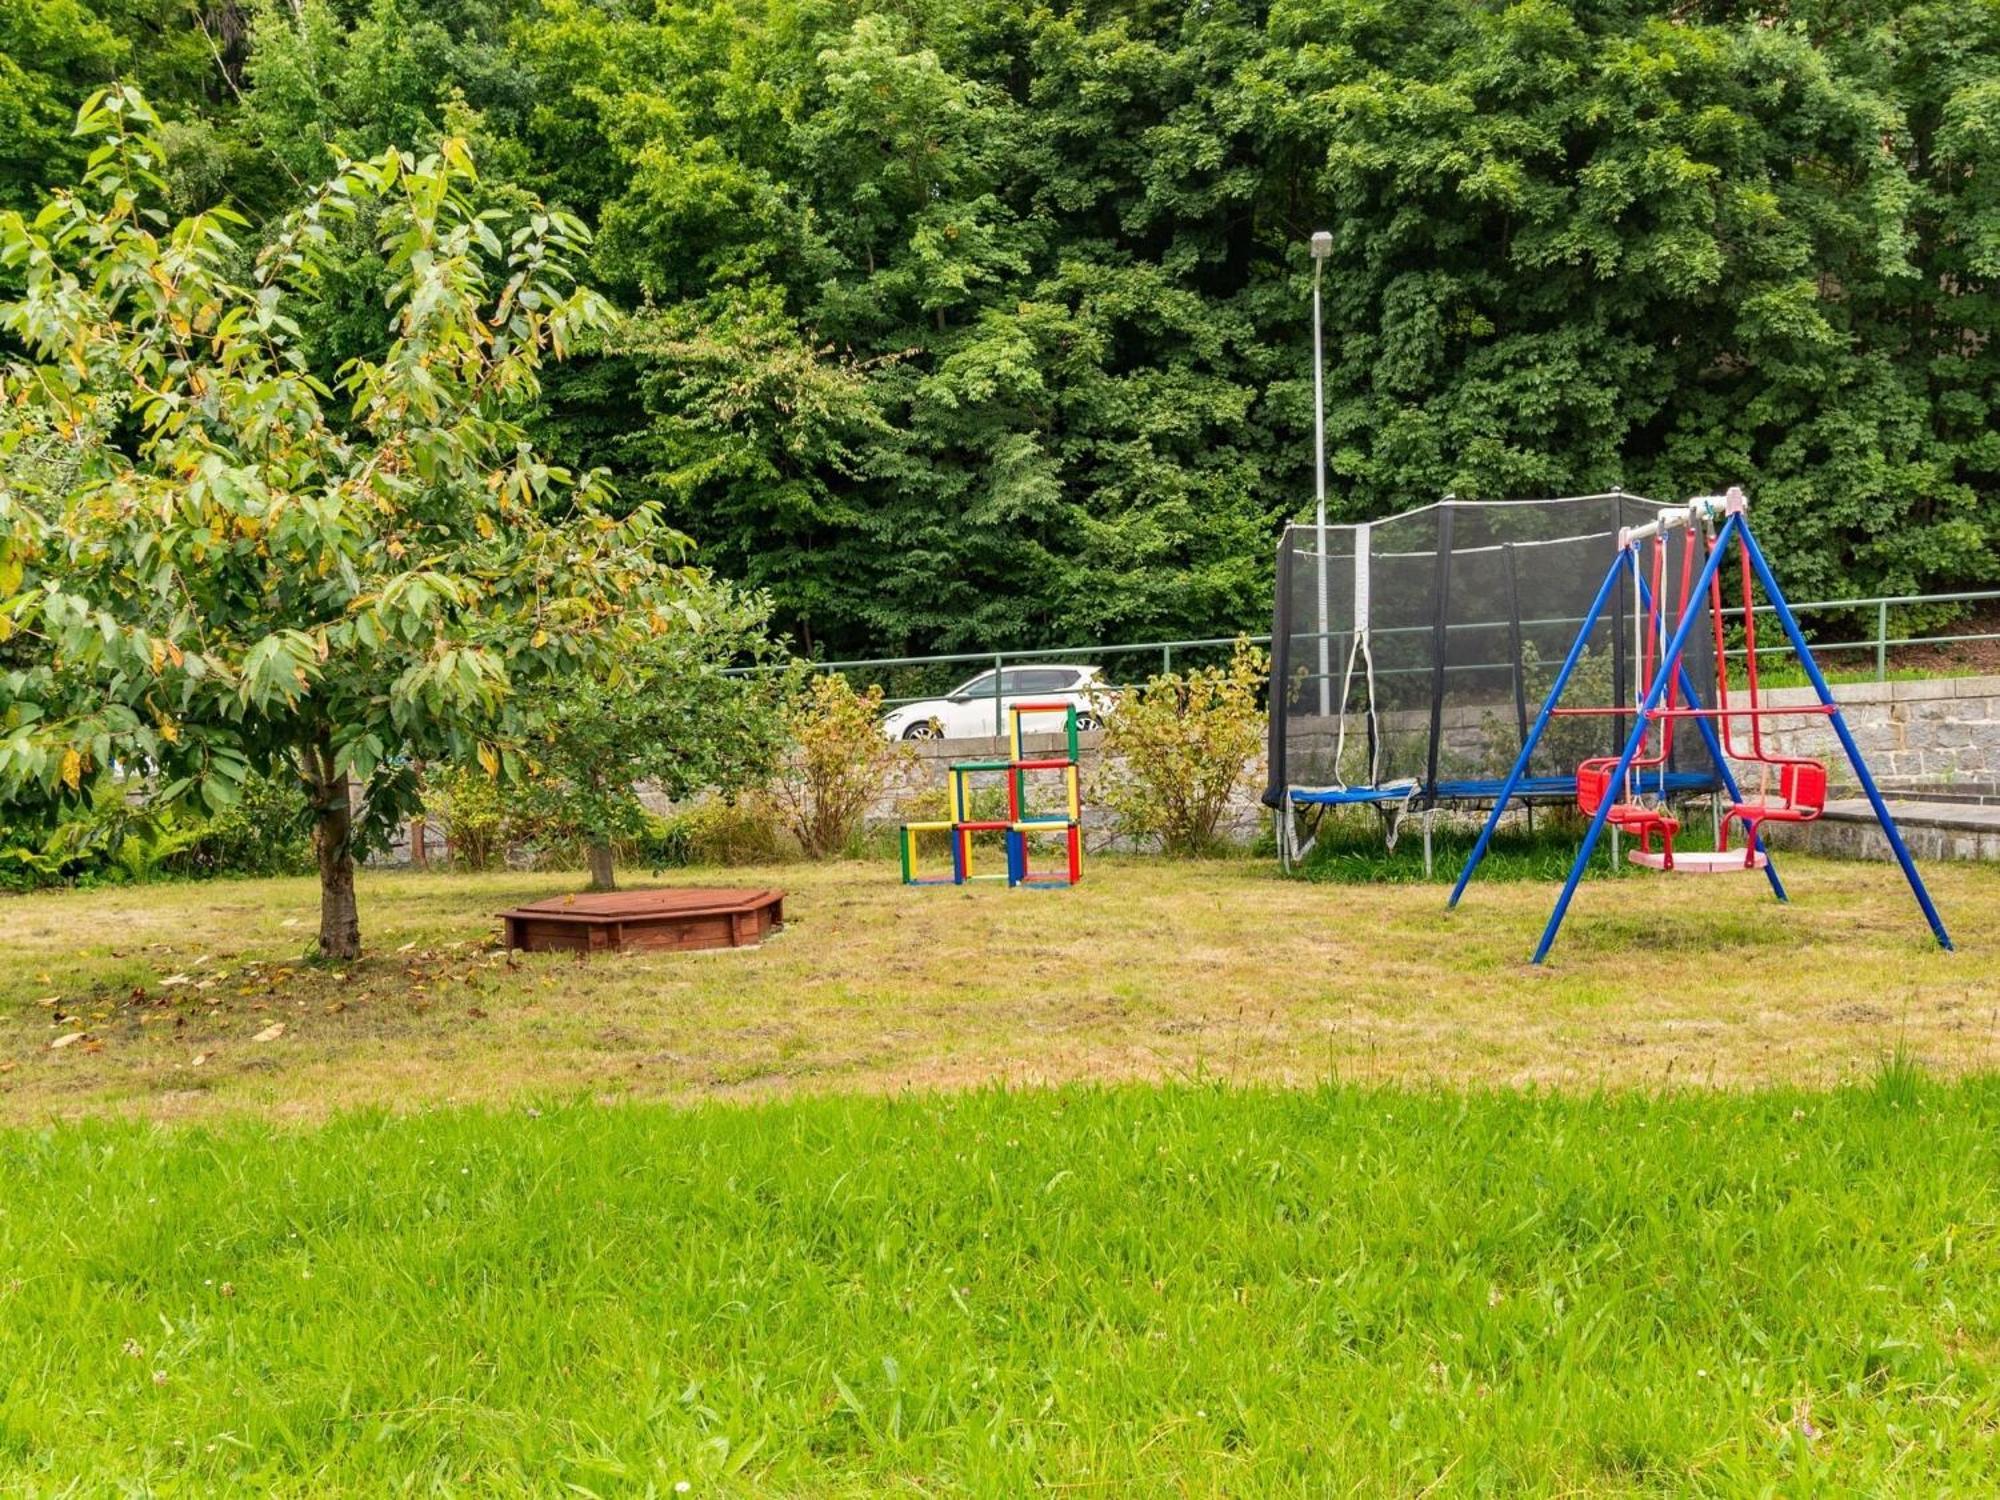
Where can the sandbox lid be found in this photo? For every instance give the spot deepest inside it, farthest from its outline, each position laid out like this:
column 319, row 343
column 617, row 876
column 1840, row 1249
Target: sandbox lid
column 667, row 901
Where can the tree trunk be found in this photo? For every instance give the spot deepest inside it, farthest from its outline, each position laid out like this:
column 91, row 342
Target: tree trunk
column 333, row 842
column 602, row 877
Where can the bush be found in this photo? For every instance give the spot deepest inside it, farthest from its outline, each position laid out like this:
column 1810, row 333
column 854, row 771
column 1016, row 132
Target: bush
column 468, row 804
column 267, row 832
column 1177, row 749
column 839, row 759
column 714, row 831
column 112, row 840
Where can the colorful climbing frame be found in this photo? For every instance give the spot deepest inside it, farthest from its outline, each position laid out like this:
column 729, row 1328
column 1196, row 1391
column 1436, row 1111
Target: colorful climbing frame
column 1022, row 826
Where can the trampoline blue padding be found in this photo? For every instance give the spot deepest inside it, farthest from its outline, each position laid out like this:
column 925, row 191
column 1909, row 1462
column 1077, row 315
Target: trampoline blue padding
column 1487, row 789
column 1349, row 796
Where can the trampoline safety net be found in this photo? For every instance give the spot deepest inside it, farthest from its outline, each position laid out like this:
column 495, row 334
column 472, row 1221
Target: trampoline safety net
column 1410, row 655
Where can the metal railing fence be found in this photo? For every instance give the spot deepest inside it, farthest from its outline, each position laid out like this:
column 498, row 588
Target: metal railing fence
column 1879, row 641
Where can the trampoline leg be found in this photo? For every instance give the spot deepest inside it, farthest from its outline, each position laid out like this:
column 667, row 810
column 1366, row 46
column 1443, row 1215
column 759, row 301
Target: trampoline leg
column 1616, row 846
column 1427, row 843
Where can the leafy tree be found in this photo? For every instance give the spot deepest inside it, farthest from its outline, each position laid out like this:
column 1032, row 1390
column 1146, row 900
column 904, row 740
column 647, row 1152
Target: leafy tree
column 665, row 715
column 249, row 580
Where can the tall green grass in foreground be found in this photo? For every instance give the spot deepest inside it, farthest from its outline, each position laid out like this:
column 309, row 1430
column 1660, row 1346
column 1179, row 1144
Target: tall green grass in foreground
column 1157, row 1291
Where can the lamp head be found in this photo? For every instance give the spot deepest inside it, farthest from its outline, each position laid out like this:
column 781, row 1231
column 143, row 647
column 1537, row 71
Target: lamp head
column 1322, row 245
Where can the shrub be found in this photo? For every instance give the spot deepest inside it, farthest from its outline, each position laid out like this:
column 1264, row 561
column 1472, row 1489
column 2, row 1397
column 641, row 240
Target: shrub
column 839, row 758
column 111, row 839
column 267, row 832
column 1178, row 748
column 714, row 831
column 468, row 804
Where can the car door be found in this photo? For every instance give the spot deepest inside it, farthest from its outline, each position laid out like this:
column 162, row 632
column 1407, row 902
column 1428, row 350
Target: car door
column 969, row 710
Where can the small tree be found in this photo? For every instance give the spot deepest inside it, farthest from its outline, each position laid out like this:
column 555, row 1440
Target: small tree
column 238, row 579
column 837, row 761
column 1179, row 747
column 666, row 715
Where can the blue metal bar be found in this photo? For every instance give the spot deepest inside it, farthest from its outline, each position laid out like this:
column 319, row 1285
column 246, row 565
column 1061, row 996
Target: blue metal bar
column 1548, row 708
column 1696, row 608
column 1846, row 737
column 1714, row 743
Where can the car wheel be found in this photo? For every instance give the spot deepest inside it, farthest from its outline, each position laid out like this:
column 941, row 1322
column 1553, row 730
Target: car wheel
column 923, row 729
column 1087, row 721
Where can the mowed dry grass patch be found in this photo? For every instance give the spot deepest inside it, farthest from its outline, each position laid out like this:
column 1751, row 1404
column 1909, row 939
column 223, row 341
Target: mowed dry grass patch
column 1150, row 970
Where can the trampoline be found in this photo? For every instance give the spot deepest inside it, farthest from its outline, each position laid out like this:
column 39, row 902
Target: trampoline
column 1408, row 656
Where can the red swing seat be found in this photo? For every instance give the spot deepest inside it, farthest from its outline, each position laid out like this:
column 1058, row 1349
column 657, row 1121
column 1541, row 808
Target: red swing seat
column 1593, row 785
column 1801, row 787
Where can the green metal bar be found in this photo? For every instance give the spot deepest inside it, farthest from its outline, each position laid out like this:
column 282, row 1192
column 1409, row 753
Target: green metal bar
column 1882, row 641
column 999, row 706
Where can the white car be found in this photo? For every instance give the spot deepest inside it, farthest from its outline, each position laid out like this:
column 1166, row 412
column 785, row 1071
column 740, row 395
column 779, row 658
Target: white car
column 967, row 711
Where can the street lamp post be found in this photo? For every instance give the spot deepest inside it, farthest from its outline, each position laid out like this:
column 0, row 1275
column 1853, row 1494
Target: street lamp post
column 1322, row 247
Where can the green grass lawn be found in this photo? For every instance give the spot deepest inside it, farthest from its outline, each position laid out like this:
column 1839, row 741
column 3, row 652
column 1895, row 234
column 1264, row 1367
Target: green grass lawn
column 1179, row 1290
column 786, row 1222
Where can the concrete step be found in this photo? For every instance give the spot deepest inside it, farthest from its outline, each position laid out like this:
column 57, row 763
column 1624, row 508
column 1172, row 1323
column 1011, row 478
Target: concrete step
column 1934, row 829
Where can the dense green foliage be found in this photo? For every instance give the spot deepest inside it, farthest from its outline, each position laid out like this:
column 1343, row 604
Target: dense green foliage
column 108, row 839
column 974, row 322
column 1183, row 1290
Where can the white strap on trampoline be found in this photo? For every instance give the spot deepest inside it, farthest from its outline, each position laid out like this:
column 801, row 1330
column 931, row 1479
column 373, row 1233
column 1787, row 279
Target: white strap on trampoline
column 1357, row 646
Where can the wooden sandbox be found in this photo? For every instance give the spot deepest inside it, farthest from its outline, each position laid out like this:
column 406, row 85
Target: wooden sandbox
column 675, row 919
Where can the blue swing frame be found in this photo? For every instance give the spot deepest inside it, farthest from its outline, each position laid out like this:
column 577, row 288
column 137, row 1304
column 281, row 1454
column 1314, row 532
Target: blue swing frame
column 1736, row 527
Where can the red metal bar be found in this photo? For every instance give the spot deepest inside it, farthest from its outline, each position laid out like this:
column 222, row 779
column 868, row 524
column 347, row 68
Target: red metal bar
column 1702, row 713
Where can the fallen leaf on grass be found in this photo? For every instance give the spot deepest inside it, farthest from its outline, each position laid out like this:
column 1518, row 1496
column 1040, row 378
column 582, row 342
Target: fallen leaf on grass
column 68, row 1038
column 199, row 1059
column 173, row 979
column 7, row 1067
column 270, row 1033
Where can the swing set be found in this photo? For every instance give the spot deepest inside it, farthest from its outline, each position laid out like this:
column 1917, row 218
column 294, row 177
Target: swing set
column 1629, row 792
